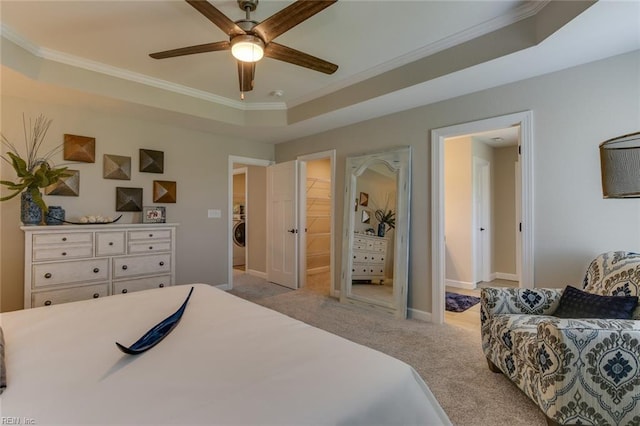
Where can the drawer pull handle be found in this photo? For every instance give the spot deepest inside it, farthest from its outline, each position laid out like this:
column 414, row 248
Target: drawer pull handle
column 96, row 270
column 110, row 243
column 124, row 290
column 96, row 295
column 64, row 238
column 47, row 275
column 150, row 235
column 64, row 253
column 150, row 247
column 124, row 267
column 161, row 263
column 161, row 285
column 47, row 303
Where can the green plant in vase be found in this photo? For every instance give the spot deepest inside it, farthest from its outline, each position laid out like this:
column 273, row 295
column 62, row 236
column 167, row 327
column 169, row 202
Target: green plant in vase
column 386, row 217
column 34, row 171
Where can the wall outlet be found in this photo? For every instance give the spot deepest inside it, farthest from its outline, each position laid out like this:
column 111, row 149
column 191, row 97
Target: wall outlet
column 214, row 213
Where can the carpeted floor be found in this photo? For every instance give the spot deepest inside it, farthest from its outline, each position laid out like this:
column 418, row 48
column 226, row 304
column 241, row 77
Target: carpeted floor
column 448, row 358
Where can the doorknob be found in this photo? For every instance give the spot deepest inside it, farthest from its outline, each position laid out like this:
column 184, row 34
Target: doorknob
column 293, row 231
column 482, row 229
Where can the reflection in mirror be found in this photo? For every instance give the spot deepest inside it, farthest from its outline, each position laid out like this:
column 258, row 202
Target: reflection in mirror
column 375, row 250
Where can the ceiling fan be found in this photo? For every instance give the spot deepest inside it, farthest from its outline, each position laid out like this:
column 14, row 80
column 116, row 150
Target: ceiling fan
column 249, row 40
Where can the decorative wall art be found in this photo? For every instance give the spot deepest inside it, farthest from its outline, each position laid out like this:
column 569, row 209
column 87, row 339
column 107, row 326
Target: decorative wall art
column 164, row 191
column 154, row 214
column 128, row 199
column 68, row 185
column 366, row 216
column 116, row 167
column 364, row 199
column 79, row 148
column 151, row 161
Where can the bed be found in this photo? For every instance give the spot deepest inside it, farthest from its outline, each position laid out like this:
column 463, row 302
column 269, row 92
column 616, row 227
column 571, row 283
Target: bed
column 228, row 361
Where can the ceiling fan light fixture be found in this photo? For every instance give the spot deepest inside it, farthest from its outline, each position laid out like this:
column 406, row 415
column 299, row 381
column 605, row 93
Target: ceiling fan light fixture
column 247, row 48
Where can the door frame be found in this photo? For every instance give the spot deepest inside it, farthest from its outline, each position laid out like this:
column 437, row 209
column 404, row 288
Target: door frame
column 331, row 155
column 233, row 159
column 525, row 121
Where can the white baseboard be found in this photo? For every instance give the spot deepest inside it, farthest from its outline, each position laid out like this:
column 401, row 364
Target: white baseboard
column 224, row 287
column 460, row 284
column 258, row 274
column 418, row 315
column 506, row 276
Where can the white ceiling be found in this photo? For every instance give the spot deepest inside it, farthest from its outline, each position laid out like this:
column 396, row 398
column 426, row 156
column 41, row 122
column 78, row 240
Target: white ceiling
column 365, row 38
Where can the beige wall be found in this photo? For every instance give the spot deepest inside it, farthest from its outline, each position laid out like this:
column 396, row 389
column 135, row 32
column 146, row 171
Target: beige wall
column 458, row 207
column 197, row 161
column 504, row 209
column 257, row 219
column 574, row 110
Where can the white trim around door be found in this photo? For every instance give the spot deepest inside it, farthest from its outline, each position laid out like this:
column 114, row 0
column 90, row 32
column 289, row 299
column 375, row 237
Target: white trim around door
column 438, row 136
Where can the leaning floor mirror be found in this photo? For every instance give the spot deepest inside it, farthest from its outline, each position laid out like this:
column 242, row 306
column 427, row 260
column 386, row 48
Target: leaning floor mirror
column 376, row 230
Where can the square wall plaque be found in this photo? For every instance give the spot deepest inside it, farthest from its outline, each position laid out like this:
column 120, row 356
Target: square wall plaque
column 164, row 191
column 116, row 167
column 128, row 199
column 68, row 185
column 151, row 161
column 79, row 148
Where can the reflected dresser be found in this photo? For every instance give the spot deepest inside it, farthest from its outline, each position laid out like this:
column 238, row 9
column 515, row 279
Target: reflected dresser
column 369, row 255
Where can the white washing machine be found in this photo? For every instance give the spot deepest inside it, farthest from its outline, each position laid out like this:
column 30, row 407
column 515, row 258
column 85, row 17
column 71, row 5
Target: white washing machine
column 238, row 235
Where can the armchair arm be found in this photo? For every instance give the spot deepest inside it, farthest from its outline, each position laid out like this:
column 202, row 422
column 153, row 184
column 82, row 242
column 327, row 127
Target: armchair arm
column 532, row 301
column 589, row 369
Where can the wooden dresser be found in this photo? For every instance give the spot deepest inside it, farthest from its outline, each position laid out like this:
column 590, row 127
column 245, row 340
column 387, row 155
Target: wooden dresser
column 369, row 255
column 74, row 262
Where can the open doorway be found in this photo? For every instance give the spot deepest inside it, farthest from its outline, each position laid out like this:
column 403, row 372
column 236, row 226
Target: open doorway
column 480, row 218
column 465, row 249
column 246, row 218
column 317, row 211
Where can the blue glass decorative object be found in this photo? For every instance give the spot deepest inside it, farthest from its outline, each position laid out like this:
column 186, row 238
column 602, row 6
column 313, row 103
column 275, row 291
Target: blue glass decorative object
column 30, row 212
column 157, row 333
column 55, row 216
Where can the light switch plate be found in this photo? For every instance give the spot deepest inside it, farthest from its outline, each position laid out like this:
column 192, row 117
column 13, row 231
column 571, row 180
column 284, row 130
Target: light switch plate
column 214, row 213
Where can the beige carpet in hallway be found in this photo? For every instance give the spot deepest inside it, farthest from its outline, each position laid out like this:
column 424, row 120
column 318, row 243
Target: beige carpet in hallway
column 447, row 357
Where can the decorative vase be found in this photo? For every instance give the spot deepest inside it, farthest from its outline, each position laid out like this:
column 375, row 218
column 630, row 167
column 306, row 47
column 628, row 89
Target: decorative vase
column 30, row 212
column 381, row 229
column 55, row 216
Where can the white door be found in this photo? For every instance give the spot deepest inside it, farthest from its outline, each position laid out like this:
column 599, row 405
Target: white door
column 282, row 224
column 482, row 212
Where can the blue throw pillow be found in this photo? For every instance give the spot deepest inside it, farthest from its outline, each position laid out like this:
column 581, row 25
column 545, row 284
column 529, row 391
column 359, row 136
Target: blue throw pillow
column 576, row 303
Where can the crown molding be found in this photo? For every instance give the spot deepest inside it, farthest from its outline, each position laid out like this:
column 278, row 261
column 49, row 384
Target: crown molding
column 98, row 67
column 524, row 11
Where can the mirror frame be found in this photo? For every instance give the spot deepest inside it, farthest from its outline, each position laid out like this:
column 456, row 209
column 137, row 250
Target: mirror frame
column 398, row 160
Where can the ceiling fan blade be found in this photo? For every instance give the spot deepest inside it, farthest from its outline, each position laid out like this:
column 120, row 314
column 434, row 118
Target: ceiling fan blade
column 218, row 18
column 200, row 48
column 289, row 17
column 246, row 72
column 292, row 56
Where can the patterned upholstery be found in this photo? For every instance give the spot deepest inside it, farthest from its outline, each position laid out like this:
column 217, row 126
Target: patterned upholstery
column 578, row 371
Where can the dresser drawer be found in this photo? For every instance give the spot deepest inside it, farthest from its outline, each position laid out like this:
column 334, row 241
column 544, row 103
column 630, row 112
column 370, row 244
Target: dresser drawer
column 54, row 297
column 141, row 265
column 110, row 243
column 368, row 256
column 48, row 274
column 139, row 284
column 367, row 269
column 63, row 238
column 149, row 247
column 150, row 234
column 61, row 252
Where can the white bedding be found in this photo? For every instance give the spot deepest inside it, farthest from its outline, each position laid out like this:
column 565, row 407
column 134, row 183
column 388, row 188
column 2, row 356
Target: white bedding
column 228, row 361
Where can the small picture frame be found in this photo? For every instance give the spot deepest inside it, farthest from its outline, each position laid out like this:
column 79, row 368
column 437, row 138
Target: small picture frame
column 154, row 214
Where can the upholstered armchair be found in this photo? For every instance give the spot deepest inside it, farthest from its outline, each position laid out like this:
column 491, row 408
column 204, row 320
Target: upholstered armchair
column 578, row 371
